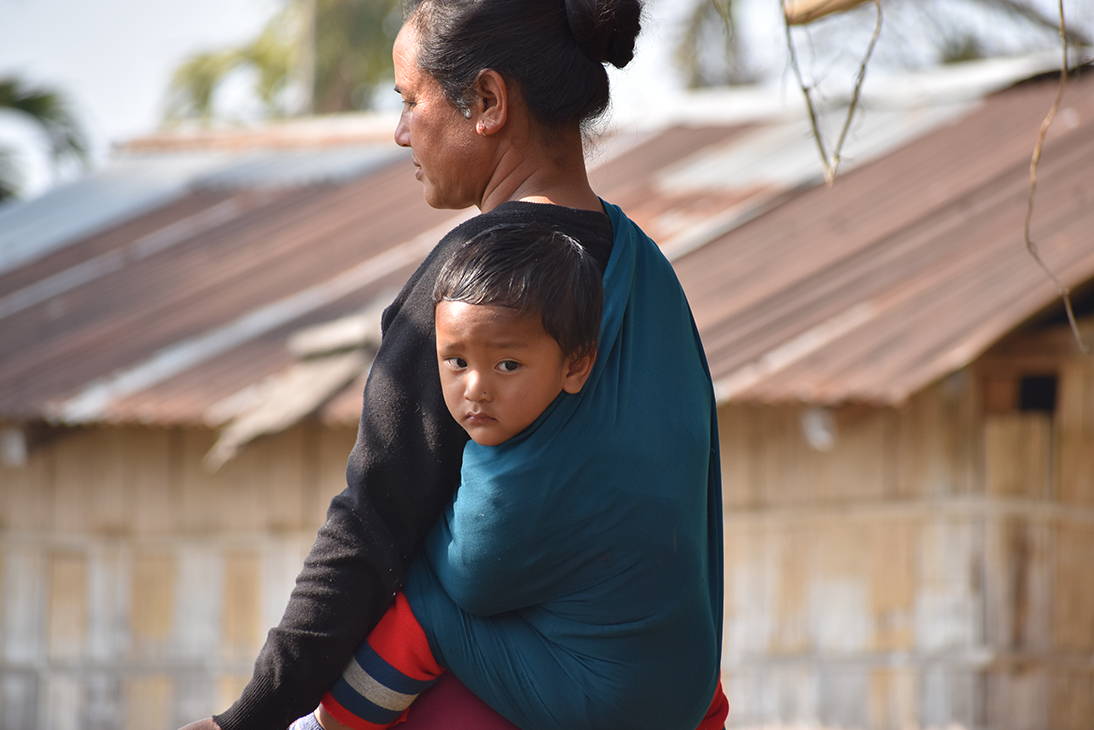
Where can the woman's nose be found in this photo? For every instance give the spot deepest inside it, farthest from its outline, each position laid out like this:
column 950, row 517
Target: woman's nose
column 402, row 131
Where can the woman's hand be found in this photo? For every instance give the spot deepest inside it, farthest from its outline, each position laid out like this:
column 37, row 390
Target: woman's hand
column 206, row 724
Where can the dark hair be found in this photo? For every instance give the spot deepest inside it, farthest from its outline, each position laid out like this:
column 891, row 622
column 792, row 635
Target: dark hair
column 553, row 49
column 535, row 270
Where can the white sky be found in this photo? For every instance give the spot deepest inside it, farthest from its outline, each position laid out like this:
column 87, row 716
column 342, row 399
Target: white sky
column 112, row 59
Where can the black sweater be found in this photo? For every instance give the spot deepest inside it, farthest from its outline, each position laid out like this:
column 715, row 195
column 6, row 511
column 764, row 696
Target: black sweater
column 401, row 474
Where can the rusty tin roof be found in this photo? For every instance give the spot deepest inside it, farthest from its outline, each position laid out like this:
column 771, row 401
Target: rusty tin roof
column 184, row 299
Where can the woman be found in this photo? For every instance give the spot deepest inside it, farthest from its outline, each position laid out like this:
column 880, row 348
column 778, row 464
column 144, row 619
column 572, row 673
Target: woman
column 496, row 94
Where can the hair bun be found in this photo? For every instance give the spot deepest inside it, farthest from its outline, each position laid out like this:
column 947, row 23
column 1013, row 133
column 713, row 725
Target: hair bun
column 605, row 29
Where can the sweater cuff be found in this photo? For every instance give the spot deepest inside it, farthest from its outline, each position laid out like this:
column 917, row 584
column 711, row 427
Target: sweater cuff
column 256, row 709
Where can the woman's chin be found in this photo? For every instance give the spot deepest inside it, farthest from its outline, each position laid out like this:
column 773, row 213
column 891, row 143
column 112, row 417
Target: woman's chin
column 443, row 203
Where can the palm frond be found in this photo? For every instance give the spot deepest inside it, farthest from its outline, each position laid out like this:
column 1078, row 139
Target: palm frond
column 9, row 176
column 711, row 23
column 50, row 113
column 190, row 92
column 339, row 49
column 272, row 55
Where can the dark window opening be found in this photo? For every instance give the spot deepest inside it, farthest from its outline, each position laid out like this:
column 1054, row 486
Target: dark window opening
column 1037, row 393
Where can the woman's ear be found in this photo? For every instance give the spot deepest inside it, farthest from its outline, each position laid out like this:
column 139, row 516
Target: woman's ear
column 577, row 372
column 491, row 94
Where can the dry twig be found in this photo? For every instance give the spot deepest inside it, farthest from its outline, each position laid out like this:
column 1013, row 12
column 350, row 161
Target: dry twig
column 831, row 162
column 1035, row 161
column 802, row 12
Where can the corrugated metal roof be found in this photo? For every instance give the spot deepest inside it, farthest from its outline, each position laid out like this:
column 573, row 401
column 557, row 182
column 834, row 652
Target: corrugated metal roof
column 127, row 188
column 909, row 267
column 301, row 166
column 336, row 130
column 800, row 292
column 159, row 333
column 135, row 184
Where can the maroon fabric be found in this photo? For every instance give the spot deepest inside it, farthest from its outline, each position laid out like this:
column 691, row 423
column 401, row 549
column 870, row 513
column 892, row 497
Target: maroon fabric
column 449, row 705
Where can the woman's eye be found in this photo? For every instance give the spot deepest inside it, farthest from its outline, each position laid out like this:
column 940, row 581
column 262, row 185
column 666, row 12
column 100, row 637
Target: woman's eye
column 508, row 366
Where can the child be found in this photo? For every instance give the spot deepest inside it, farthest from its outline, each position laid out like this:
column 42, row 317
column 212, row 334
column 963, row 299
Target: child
column 517, row 319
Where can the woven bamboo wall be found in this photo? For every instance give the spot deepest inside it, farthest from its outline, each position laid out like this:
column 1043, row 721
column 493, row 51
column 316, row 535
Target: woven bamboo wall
column 918, row 566
column 136, row 587
column 932, row 568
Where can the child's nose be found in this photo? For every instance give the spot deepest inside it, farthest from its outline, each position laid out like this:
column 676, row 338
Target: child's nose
column 475, row 389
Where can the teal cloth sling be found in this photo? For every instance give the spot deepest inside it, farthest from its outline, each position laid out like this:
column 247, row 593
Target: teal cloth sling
column 576, row 579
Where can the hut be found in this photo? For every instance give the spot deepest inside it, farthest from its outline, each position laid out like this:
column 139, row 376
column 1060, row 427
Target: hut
column 905, row 422
column 907, row 434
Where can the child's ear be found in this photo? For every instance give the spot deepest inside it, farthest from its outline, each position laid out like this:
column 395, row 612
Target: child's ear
column 577, row 372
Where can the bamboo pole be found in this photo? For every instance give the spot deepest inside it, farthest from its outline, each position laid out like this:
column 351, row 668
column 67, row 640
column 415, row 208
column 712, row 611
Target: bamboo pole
column 801, row 12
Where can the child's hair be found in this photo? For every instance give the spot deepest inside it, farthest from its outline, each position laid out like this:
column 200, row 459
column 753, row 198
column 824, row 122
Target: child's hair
column 535, row 270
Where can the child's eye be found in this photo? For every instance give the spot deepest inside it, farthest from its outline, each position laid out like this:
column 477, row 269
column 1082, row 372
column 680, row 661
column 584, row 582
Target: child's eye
column 456, row 363
column 508, row 366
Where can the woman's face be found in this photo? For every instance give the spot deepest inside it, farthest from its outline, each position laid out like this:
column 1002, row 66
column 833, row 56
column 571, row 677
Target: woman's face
column 449, row 157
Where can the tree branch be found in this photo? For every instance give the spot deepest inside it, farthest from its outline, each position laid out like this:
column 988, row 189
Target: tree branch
column 831, row 163
column 801, row 12
column 1035, row 161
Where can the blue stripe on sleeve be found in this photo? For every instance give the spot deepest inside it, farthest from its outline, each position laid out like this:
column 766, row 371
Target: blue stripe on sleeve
column 375, row 666
column 361, row 707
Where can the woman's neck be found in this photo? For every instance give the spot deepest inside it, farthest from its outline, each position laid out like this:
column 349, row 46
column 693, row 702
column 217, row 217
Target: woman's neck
column 541, row 173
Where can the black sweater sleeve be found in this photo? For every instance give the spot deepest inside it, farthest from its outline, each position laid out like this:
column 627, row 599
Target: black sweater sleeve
column 401, row 473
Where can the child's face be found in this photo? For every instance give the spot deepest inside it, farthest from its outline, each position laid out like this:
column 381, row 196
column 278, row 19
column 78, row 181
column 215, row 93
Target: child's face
column 500, row 369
